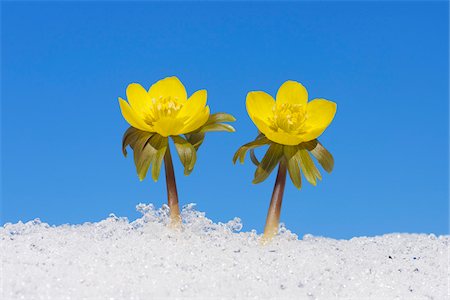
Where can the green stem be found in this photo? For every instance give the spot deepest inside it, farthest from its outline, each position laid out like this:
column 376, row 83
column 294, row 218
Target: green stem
column 273, row 215
column 172, row 194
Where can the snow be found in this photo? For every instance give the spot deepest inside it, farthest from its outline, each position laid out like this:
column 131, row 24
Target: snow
column 145, row 259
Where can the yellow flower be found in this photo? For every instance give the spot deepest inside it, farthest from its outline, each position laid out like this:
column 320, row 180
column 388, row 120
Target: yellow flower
column 290, row 120
column 165, row 108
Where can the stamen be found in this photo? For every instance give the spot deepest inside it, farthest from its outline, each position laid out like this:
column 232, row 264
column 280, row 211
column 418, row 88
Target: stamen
column 288, row 117
column 161, row 108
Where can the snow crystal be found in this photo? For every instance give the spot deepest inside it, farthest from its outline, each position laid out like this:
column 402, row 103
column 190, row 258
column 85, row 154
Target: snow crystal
column 146, row 259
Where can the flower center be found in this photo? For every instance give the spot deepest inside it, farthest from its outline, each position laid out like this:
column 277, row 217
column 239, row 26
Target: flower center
column 163, row 107
column 288, row 117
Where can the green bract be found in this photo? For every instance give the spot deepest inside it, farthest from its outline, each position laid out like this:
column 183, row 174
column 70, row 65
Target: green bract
column 149, row 148
column 298, row 159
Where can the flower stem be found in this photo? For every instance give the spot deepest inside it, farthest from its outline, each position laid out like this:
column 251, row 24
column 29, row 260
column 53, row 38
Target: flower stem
column 172, row 194
column 273, row 215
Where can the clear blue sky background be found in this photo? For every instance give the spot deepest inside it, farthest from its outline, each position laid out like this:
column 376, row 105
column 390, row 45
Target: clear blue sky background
column 384, row 63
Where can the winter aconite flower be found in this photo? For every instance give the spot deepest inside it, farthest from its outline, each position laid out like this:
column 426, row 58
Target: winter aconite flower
column 165, row 108
column 291, row 119
column 166, row 111
column 290, row 125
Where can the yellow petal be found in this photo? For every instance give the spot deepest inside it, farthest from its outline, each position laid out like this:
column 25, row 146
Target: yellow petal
column 168, row 126
column 259, row 105
column 320, row 113
column 169, row 86
column 195, row 105
column 132, row 118
column 279, row 137
column 292, row 92
column 196, row 122
column 138, row 98
column 284, row 138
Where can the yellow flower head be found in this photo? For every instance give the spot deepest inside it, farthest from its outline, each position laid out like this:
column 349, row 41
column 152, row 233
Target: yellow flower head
column 291, row 119
column 165, row 108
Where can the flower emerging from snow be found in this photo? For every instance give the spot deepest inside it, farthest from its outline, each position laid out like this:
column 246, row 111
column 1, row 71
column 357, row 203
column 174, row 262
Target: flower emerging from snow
column 161, row 112
column 290, row 127
column 290, row 120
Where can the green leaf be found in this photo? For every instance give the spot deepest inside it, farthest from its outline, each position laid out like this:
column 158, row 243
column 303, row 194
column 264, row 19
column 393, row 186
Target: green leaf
column 216, row 127
column 195, row 139
column 253, row 157
column 131, row 136
column 308, row 167
column 142, row 155
column 324, row 157
column 290, row 153
column 213, row 124
column 219, row 118
column 159, row 145
column 309, row 145
column 149, row 151
column 268, row 163
column 242, row 151
column 186, row 152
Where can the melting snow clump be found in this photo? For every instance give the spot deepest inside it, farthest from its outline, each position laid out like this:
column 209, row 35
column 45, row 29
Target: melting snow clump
column 146, row 259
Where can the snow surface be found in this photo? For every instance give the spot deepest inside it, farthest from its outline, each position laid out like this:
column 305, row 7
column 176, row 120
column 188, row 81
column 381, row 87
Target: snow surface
column 145, row 259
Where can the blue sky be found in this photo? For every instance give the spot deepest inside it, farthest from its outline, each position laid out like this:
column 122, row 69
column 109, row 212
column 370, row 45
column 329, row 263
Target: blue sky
column 384, row 63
